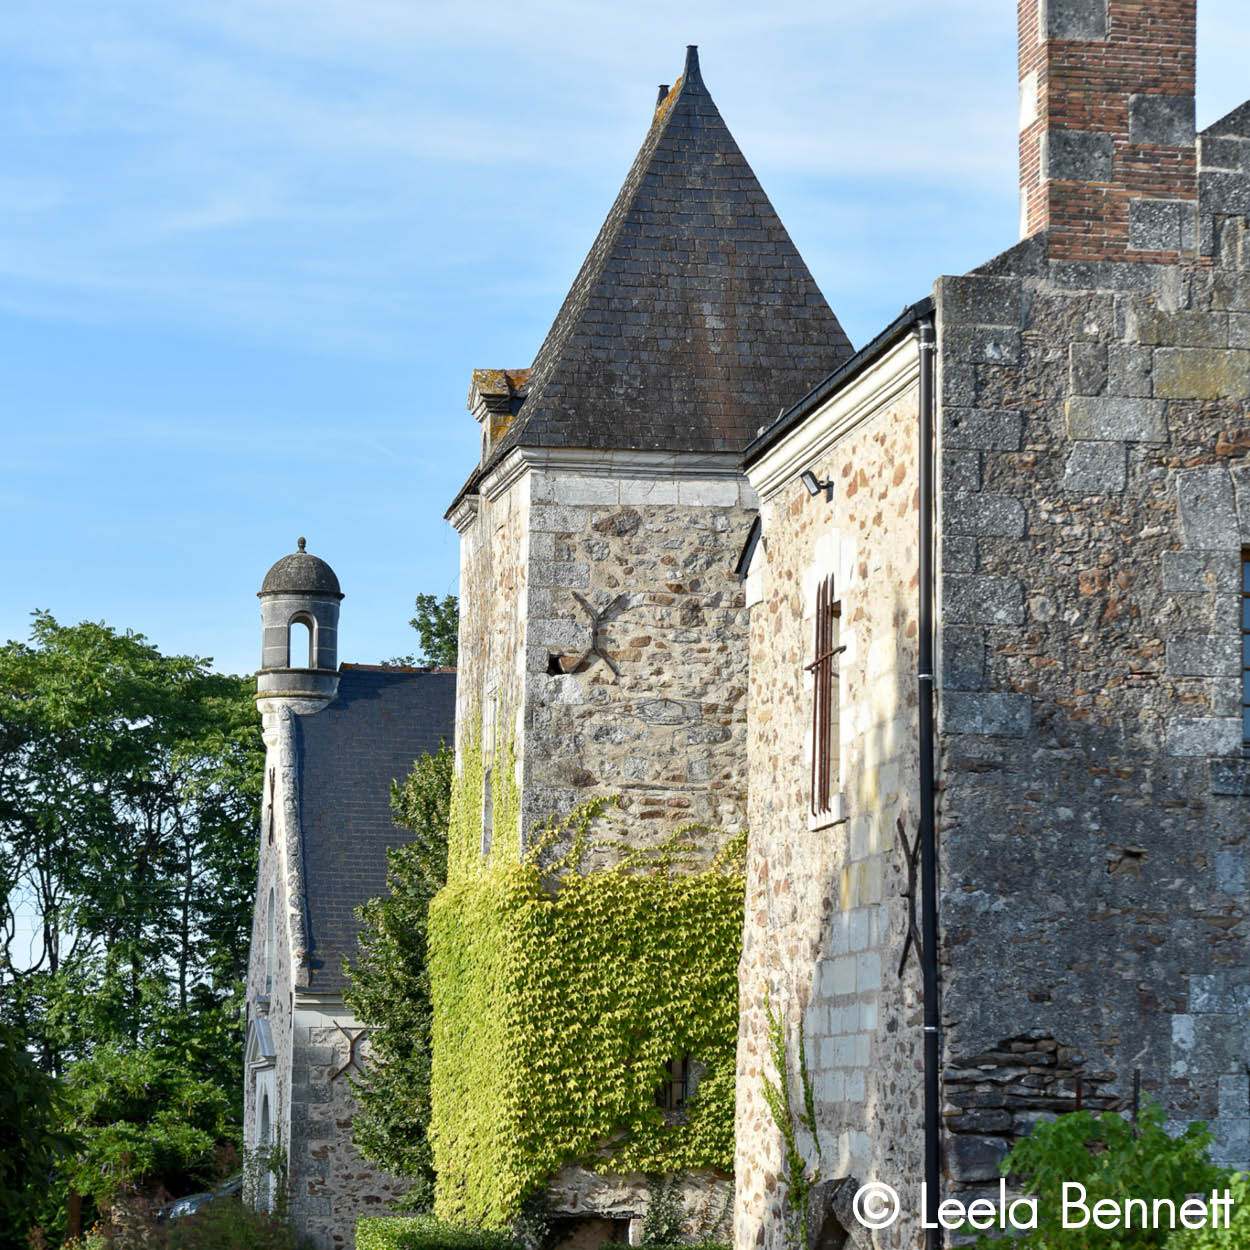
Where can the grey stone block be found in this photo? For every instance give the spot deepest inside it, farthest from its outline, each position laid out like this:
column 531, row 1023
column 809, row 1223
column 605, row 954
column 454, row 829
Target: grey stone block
column 987, row 345
column 985, row 712
column 974, row 1158
column 1202, row 373
column 959, row 554
column 1163, row 120
column 1073, row 19
column 1177, row 329
column 1230, row 872
column 1077, row 156
column 1223, row 153
column 1096, row 469
column 1204, row 735
column 1163, row 226
column 1087, row 368
column 963, row 658
column 1198, row 572
column 1220, row 192
column 983, row 429
column 1207, row 656
column 959, row 383
column 1208, row 509
column 1231, row 777
column 979, row 301
column 984, row 516
column 1129, row 370
column 980, row 599
column 1105, row 275
column 960, row 471
column 1111, row 418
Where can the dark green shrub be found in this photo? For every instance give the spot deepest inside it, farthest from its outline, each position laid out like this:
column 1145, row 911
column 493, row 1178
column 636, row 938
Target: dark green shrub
column 1113, row 1158
column 424, row 1232
column 1235, row 1237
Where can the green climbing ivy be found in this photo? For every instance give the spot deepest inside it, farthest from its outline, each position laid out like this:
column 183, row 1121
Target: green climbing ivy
column 777, row 1098
column 561, row 992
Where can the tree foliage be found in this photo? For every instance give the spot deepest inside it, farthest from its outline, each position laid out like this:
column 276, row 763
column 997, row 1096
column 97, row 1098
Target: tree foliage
column 129, row 791
column 129, row 783
column 438, row 626
column 389, row 988
column 31, row 1143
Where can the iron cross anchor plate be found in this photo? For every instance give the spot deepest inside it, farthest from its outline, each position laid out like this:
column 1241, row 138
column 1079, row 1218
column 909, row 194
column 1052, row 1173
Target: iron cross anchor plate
column 353, row 1060
column 598, row 618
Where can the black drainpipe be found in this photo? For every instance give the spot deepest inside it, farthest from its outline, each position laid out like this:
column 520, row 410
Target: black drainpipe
column 928, row 843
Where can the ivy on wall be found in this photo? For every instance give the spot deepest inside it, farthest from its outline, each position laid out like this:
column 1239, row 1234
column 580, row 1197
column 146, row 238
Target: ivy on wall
column 560, row 993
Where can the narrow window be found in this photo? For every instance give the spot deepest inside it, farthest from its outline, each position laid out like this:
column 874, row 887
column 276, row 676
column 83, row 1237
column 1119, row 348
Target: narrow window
column 1245, row 648
column 270, row 935
column 488, row 810
column 299, row 652
column 825, row 699
column 671, row 1096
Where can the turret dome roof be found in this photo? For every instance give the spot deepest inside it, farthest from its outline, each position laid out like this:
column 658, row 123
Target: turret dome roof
column 301, row 573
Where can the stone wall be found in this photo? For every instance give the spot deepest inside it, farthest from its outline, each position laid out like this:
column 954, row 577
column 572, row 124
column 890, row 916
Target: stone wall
column 650, row 703
column 1093, row 813
column 330, row 1183
column 825, row 922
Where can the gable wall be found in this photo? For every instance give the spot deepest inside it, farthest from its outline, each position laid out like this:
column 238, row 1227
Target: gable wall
column 824, row 921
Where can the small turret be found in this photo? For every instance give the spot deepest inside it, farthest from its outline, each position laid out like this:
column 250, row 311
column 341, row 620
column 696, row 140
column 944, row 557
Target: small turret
column 299, row 610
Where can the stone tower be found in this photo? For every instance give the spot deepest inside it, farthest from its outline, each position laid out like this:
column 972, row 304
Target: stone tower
column 335, row 739
column 603, row 636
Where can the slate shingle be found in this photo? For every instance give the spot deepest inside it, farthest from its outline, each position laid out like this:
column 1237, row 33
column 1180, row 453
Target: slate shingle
column 349, row 753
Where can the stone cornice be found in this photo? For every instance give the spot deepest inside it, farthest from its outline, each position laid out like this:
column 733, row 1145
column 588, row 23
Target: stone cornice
column 584, row 462
column 865, row 394
column 464, row 513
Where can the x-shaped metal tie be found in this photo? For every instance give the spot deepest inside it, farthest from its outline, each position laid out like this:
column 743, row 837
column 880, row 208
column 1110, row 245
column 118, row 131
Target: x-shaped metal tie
column 353, row 1040
column 598, row 616
column 909, row 861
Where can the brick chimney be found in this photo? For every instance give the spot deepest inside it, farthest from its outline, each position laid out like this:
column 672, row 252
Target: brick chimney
column 1107, row 149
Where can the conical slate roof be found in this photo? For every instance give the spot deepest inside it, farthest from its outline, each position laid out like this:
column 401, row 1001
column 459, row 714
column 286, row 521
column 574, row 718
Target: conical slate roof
column 693, row 318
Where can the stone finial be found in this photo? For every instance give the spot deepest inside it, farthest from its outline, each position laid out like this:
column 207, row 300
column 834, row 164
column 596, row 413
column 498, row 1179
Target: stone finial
column 301, row 542
column 659, row 99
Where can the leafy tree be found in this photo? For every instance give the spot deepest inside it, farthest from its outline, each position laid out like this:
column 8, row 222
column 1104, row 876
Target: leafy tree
column 145, row 1122
column 438, row 625
column 129, row 786
column 129, row 792
column 390, row 990
column 31, row 1141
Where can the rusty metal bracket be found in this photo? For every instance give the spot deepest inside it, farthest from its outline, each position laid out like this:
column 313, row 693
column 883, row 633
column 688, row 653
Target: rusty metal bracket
column 911, row 853
column 597, row 617
column 353, row 1060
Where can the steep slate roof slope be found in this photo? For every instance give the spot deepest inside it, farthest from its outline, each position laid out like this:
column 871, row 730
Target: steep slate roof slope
column 380, row 721
column 693, row 317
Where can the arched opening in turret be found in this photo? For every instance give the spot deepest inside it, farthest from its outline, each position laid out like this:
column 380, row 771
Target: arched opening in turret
column 299, row 646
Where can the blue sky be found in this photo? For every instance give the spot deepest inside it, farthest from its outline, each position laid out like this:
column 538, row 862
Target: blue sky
column 253, row 249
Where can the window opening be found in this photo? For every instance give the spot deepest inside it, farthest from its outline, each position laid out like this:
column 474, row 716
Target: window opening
column 825, row 698
column 299, row 649
column 671, row 1096
column 488, row 810
column 270, row 934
